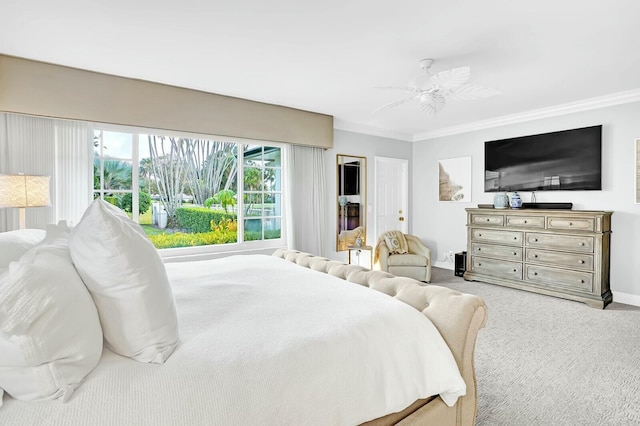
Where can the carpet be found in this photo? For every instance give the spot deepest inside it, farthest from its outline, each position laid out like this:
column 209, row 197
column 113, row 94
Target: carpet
column 542, row 360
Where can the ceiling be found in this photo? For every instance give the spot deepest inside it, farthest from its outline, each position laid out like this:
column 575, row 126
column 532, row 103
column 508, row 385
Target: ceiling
column 330, row 56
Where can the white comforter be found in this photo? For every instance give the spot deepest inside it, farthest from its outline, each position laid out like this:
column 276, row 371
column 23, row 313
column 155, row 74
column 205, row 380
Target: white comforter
column 266, row 342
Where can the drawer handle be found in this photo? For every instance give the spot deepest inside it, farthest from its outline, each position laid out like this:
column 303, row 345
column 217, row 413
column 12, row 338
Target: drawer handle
column 570, row 223
column 581, row 281
column 515, row 238
column 535, row 273
column 479, row 248
column 479, row 235
column 581, row 261
column 515, row 270
column 479, row 264
column 535, row 255
column 525, row 221
column 488, row 219
column 581, row 244
column 515, row 253
column 535, row 239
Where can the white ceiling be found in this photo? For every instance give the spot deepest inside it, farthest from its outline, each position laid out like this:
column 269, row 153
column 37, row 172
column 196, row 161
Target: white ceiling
column 328, row 56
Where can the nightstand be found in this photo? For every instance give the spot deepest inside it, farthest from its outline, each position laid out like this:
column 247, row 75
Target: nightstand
column 358, row 250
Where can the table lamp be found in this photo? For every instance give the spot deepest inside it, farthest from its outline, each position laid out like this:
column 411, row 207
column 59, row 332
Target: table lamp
column 20, row 191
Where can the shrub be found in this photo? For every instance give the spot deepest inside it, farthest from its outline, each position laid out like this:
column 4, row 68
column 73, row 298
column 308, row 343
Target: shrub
column 111, row 199
column 144, row 202
column 200, row 219
column 181, row 239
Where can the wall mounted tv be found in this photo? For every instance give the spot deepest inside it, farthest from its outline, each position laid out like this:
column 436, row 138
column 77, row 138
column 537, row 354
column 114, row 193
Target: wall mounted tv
column 565, row 160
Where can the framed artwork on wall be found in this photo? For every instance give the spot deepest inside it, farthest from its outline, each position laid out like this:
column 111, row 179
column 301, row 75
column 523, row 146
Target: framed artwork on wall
column 454, row 179
column 637, row 171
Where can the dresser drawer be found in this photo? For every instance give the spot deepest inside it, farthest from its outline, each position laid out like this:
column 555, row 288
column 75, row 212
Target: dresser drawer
column 526, row 221
column 501, row 252
column 560, row 278
column 560, row 242
column 571, row 223
column 487, row 219
column 497, row 236
column 496, row 268
column 570, row 260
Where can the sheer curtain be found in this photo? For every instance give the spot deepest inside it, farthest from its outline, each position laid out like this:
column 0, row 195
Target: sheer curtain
column 57, row 148
column 306, row 218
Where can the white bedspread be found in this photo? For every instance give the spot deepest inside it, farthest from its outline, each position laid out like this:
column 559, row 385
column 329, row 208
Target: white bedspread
column 265, row 342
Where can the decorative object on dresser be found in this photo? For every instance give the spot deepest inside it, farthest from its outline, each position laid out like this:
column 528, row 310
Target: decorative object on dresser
column 554, row 252
column 516, row 201
column 500, row 201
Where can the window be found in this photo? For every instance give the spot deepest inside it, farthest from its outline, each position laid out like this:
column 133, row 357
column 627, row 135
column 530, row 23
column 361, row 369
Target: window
column 262, row 192
column 184, row 190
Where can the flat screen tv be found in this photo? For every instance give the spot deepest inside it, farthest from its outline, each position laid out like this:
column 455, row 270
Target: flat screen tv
column 558, row 161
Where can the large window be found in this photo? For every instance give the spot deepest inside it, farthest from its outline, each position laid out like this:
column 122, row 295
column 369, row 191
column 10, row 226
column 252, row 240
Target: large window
column 184, row 191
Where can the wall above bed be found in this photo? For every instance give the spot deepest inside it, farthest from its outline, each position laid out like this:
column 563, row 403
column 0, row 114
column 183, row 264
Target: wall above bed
column 39, row 88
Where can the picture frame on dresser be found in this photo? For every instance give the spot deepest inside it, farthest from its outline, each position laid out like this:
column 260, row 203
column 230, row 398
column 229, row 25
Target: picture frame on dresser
column 562, row 253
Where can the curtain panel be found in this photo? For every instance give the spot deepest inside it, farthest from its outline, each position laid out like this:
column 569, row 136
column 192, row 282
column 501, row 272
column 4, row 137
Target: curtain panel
column 57, row 148
column 306, row 219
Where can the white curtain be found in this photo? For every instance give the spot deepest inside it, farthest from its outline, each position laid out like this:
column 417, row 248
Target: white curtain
column 306, row 218
column 57, row 148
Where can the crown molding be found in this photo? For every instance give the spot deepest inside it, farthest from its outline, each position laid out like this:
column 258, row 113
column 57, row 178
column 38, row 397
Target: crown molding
column 347, row 126
column 568, row 108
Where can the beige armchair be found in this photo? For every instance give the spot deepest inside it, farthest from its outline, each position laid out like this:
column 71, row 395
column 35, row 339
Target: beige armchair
column 415, row 264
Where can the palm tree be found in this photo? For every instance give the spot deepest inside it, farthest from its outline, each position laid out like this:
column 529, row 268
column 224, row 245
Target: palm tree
column 145, row 169
column 116, row 173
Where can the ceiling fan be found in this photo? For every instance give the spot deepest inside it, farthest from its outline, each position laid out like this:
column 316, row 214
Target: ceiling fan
column 432, row 90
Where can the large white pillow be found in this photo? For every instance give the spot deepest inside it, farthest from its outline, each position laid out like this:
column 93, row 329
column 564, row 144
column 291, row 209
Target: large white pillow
column 50, row 334
column 128, row 283
column 14, row 244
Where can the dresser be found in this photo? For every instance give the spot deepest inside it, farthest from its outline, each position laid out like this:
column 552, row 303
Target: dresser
column 563, row 253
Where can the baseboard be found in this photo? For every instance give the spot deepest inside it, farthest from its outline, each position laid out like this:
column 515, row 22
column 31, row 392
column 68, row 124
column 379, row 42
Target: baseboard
column 627, row 299
column 443, row 265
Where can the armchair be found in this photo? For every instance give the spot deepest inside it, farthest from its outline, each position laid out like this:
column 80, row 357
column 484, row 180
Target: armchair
column 415, row 264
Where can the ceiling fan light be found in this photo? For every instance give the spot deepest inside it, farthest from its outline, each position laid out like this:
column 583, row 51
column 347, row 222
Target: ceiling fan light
column 421, row 81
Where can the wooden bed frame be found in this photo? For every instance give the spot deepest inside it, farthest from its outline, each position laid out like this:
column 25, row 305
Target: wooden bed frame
column 457, row 316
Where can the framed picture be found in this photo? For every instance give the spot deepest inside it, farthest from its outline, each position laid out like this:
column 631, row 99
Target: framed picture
column 455, row 179
column 637, row 171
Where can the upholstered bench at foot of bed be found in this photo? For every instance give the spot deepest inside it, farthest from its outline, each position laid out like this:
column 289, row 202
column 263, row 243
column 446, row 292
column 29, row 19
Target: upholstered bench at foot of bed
column 457, row 316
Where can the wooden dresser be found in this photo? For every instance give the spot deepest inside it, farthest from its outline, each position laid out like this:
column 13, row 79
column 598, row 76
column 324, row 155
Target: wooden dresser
column 563, row 253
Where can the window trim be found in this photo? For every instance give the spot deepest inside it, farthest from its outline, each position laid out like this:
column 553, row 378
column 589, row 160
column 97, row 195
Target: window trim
column 213, row 250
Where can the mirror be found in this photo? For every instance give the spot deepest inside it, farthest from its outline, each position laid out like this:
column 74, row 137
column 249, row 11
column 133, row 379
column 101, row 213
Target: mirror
column 351, row 178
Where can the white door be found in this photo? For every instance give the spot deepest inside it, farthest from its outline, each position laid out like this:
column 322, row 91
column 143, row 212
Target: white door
column 392, row 194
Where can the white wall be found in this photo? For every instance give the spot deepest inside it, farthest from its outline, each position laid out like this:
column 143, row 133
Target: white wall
column 441, row 225
column 350, row 143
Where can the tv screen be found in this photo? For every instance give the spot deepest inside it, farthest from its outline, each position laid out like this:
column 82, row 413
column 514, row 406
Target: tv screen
column 565, row 160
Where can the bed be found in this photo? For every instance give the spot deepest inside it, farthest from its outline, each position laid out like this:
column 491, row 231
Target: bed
column 290, row 338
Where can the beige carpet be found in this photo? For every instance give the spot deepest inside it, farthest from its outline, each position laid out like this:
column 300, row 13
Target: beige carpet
column 541, row 360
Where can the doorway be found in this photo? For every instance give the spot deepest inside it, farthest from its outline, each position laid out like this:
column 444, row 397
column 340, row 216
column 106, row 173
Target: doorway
column 392, row 195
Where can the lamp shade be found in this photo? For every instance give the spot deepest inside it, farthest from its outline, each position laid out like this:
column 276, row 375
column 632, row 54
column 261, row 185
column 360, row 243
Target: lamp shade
column 24, row 191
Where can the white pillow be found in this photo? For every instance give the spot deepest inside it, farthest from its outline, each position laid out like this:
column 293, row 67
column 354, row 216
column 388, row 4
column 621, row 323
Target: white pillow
column 128, row 283
column 50, row 335
column 14, row 244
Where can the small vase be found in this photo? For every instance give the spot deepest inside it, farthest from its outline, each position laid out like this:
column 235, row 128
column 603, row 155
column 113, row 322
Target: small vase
column 516, row 201
column 500, row 201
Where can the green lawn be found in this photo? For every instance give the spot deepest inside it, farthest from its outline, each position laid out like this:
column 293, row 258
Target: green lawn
column 145, row 222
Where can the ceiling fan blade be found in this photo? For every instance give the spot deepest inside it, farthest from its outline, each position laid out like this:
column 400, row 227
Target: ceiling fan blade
column 403, row 88
column 472, row 91
column 451, row 79
column 395, row 103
